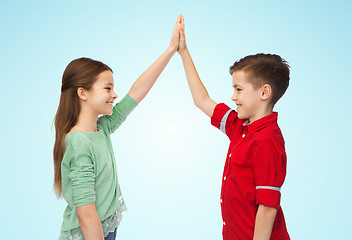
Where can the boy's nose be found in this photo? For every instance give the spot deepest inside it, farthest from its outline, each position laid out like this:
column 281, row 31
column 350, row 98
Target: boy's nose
column 234, row 97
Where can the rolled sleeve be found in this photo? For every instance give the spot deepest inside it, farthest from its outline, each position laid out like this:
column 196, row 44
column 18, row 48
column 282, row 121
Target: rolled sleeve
column 269, row 166
column 82, row 173
column 225, row 119
column 83, row 181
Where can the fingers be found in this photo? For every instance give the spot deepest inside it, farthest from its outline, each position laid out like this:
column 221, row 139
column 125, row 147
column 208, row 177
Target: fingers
column 176, row 35
column 182, row 30
column 177, row 26
column 178, row 21
column 182, row 36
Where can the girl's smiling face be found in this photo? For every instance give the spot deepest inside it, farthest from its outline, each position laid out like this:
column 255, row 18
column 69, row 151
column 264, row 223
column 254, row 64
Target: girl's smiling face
column 102, row 95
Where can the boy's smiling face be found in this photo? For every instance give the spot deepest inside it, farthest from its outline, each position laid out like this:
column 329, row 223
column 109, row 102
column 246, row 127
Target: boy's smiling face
column 248, row 99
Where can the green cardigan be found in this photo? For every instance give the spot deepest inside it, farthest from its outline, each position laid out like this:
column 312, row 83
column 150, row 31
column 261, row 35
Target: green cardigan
column 88, row 168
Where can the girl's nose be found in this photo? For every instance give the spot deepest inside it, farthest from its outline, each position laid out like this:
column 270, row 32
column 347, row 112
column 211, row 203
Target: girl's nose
column 114, row 95
column 234, row 97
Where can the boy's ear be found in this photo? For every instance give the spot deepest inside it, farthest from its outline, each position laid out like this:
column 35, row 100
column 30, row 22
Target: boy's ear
column 82, row 94
column 266, row 92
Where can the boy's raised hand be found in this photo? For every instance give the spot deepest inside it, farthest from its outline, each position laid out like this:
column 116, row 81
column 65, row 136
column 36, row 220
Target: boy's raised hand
column 175, row 39
column 182, row 46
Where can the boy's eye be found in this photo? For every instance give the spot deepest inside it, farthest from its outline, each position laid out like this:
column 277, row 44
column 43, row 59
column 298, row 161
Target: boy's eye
column 238, row 89
column 108, row 89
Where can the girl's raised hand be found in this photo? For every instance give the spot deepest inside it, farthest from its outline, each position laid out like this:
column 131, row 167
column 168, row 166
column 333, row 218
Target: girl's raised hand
column 182, row 45
column 175, row 39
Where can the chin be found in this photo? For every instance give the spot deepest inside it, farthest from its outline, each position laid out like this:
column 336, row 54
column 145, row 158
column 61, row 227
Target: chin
column 108, row 111
column 241, row 116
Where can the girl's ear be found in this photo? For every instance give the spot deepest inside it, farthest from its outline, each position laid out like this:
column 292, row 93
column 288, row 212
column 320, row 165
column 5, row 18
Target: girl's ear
column 82, row 94
column 266, row 92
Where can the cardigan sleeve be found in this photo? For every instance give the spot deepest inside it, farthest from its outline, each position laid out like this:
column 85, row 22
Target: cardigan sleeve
column 81, row 174
column 110, row 123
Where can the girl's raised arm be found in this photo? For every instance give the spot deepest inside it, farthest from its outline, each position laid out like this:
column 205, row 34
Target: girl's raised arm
column 144, row 83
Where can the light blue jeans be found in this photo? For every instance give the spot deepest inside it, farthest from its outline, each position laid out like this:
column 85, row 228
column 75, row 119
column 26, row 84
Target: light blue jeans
column 111, row 236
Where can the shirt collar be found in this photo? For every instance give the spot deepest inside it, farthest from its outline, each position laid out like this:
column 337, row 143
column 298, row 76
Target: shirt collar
column 261, row 123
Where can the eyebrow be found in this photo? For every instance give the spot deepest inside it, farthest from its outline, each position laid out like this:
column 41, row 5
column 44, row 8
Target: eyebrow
column 236, row 85
column 109, row 83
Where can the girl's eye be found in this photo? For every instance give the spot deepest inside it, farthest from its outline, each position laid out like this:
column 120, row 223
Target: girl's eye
column 238, row 89
column 108, row 89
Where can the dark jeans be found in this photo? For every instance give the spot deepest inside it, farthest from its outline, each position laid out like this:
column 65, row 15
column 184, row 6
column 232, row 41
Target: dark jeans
column 111, row 236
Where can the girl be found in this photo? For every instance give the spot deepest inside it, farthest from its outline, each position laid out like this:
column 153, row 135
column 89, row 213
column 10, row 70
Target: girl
column 84, row 163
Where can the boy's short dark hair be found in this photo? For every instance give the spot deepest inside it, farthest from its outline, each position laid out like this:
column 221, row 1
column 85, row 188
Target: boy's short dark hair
column 265, row 69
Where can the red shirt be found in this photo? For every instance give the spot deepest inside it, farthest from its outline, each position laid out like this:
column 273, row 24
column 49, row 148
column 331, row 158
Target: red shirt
column 254, row 172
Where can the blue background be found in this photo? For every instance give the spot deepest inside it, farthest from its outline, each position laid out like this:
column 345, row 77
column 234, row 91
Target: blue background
column 170, row 159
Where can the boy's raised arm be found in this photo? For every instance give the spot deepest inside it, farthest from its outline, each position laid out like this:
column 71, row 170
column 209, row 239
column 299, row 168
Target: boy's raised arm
column 199, row 93
column 144, row 83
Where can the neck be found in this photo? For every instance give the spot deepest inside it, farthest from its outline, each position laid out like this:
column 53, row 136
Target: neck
column 261, row 114
column 87, row 121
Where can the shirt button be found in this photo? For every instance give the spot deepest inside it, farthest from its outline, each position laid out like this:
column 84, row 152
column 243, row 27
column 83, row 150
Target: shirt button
column 230, row 155
column 224, row 178
column 243, row 135
column 224, row 223
column 220, row 200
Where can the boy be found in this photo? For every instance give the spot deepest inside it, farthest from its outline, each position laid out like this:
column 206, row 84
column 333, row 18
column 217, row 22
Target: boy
column 255, row 166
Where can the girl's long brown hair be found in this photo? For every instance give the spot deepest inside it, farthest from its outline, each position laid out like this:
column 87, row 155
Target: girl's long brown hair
column 81, row 72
